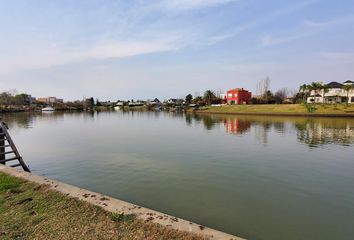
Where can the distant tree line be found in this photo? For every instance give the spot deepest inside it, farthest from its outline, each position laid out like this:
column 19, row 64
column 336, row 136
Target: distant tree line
column 7, row 98
column 209, row 97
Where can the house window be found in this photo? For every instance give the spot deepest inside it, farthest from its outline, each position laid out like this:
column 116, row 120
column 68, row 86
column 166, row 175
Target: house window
column 230, row 95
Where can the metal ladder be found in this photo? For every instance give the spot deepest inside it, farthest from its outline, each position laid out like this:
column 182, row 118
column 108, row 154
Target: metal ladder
column 7, row 147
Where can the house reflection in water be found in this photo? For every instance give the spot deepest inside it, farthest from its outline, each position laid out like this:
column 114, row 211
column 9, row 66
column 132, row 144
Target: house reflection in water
column 236, row 126
column 316, row 133
column 313, row 132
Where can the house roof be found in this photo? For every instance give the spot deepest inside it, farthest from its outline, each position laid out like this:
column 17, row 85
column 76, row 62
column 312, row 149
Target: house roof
column 237, row 90
column 335, row 85
column 348, row 81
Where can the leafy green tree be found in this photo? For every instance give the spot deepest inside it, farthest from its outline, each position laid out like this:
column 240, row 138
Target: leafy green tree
column 189, row 99
column 347, row 89
column 21, row 99
column 315, row 87
column 269, row 97
column 89, row 103
column 324, row 89
column 199, row 101
column 5, row 98
column 209, row 96
column 280, row 95
column 304, row 89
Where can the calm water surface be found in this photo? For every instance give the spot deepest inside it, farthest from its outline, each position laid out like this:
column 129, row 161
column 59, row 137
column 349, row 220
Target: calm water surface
column 255, row 177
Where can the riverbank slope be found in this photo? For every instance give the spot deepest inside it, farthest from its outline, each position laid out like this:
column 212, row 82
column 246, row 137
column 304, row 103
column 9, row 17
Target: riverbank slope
column 34, row 207
column 283, row 109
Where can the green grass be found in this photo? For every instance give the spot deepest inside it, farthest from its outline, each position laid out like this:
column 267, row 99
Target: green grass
column 121, row 217
column 282, row 108
column 31, row 211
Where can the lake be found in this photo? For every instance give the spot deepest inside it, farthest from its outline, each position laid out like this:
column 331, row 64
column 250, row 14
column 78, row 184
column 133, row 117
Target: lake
column 256, row 177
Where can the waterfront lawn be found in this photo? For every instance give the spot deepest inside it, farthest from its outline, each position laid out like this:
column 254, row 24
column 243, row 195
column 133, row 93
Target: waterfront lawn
column 282, row 108
column 31, row 211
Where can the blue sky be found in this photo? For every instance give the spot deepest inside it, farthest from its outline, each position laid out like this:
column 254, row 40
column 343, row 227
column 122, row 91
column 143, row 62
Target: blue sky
column 115, row 49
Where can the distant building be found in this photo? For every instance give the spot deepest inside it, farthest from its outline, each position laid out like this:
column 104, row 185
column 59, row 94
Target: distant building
column 288, row 100
column 334, row 94
column 175, row 101
column 42, row 100
column 238, row 96
column 154, row 102
column 50, row 100
column 136, row 103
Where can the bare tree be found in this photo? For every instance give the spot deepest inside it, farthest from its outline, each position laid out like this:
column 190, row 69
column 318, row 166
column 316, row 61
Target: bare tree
column 219, row 92
column 281, row 94
column 266, row 84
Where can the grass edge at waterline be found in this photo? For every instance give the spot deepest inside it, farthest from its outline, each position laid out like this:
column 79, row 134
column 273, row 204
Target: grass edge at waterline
column 329, row 110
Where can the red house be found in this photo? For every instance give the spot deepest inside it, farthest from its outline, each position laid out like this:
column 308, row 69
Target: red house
column 238, row 96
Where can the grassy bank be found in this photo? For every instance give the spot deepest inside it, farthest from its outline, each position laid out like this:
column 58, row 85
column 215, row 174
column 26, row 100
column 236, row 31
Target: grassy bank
column 286, row 109
column 31, row 211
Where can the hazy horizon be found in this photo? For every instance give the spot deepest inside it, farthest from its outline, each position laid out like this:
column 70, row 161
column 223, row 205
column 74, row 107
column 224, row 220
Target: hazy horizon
column 136, row 49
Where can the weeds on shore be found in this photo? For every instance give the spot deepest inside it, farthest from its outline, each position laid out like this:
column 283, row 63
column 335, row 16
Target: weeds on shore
column 121, row 217
column 310, row 108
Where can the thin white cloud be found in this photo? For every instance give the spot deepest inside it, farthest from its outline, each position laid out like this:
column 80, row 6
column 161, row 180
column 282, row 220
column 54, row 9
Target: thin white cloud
column 313, row 28
column 269, row 40
column 311, row 23
column 194, row 4
column 60, row 55
column 257, row 22
column 127, row 49
column 328, row 23
column 128, row 39
column 338, row 56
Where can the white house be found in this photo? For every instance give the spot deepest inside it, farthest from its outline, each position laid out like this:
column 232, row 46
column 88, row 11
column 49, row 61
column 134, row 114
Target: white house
column 334, row 94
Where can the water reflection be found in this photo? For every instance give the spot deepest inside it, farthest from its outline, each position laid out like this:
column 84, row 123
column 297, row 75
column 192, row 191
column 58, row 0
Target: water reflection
column 313, row 132
column 27, row 120
column 206, row 168
column 236, row 125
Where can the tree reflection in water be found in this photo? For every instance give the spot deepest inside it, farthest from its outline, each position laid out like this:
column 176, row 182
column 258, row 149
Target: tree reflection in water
column 313, row 132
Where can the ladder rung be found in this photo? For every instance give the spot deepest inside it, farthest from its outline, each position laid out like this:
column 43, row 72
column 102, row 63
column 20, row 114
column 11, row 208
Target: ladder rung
column 7, row 152
column 8, row 160
column 16, row 165
column 4, row 146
